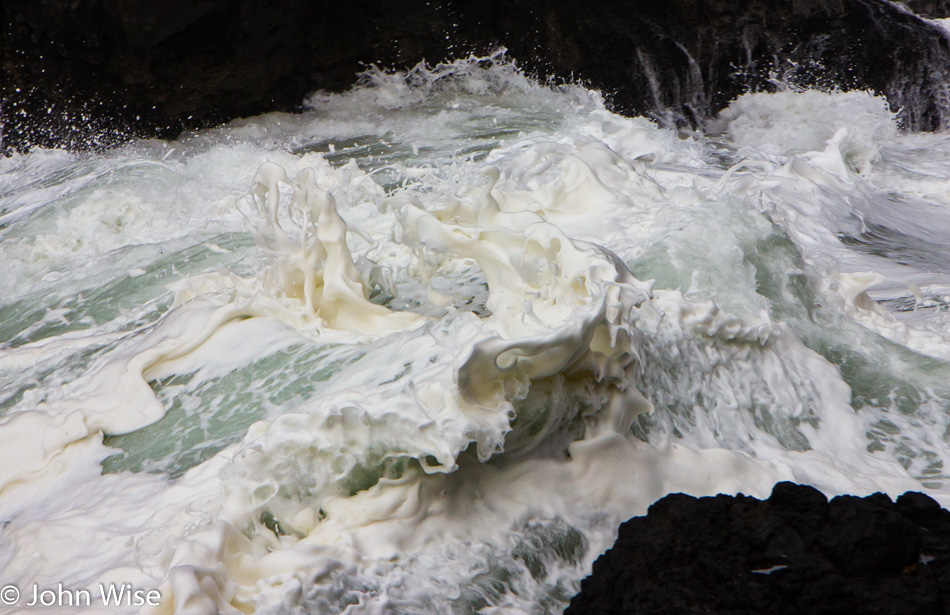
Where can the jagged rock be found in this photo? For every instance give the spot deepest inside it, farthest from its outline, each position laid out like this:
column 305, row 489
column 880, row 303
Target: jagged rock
column 91, row 73
column 795, row 553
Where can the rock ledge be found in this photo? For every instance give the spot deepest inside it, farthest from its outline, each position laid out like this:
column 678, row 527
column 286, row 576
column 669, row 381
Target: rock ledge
column 795, row 552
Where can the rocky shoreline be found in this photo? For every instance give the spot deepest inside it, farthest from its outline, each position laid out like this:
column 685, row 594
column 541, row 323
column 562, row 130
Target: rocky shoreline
column 94, row 73
column 794, row 553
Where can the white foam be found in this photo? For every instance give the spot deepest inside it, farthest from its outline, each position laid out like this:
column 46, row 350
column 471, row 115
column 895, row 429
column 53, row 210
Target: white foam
column 793, row 122
column 438, row 365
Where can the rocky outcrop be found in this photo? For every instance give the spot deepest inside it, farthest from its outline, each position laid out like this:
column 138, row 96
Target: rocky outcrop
column 795, row 553
column 88, row 73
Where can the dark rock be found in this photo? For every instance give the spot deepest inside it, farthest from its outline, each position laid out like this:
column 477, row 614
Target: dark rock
column 91, row 73
column 793, row 553
column 931, row 9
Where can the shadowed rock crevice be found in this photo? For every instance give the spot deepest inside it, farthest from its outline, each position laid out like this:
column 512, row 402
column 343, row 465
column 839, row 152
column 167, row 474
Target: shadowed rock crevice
column 92, row 73
column 794, row 553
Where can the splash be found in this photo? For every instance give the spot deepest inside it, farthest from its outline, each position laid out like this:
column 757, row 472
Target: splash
column 424, row 357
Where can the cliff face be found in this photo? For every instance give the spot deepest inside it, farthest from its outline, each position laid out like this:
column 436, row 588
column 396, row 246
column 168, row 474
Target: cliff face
column 793, row 553
column 95, row 72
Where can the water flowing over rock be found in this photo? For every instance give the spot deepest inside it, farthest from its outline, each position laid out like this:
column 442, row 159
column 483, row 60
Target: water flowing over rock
column 793, row 553
column 92, row 73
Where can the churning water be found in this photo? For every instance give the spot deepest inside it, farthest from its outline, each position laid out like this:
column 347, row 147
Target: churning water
column 421, row 348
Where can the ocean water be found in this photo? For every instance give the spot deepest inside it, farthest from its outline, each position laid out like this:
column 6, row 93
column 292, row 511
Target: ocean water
column 422, row 347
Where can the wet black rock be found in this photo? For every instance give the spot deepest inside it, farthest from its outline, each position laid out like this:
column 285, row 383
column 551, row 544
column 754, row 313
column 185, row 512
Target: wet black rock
column 91, row 73
column 795, row 553
column 931, row 9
